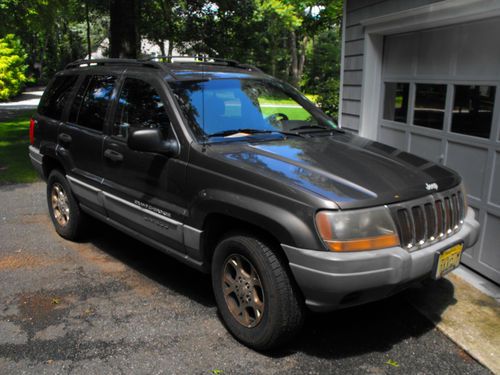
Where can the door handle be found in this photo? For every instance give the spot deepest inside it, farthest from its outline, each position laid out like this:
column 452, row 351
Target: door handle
column 113, row 155
column 64, row 138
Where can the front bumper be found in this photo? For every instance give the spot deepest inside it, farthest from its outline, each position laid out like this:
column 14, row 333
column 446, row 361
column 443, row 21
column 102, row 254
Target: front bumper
column 331, row 280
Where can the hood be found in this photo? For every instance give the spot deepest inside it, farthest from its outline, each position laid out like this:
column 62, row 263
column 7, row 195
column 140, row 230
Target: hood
column 349, row 170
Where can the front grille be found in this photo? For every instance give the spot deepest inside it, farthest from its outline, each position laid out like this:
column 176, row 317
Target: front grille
column 430, row 219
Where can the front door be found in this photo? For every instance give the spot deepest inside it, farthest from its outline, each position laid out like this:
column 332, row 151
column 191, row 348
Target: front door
column 143, row 190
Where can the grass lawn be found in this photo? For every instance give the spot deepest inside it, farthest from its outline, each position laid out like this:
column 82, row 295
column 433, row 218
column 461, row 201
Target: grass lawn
column 15, row 165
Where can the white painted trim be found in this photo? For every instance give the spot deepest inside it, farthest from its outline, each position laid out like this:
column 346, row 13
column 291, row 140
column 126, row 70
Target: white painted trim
column 434, row 15
column 371, row 89
column 444, row 13
column 342, row 60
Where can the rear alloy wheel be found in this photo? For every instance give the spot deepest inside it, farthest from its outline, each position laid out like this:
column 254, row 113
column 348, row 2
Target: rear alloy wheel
column 60, row 205
column 64, row 210
column 255, row 294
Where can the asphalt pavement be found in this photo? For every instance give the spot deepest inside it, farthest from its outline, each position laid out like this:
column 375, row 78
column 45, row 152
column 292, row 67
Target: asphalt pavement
column 110, row 304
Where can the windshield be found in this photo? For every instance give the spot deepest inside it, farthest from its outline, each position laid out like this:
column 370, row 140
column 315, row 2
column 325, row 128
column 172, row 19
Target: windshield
column 233, row 107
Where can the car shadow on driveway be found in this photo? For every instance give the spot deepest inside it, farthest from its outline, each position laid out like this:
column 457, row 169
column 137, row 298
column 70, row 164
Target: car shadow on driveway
column 374, row 327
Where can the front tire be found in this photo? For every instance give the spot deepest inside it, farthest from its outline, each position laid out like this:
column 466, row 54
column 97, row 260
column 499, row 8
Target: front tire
column 256, row 297
column 68, row 219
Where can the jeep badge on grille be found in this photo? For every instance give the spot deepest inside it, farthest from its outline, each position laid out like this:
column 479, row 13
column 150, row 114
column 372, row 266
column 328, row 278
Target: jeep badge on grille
column 432, row 186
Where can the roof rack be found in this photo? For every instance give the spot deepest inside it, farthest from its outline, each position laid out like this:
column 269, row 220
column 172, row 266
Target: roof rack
column 114, row 61
column 204, row 59
column 150, row 62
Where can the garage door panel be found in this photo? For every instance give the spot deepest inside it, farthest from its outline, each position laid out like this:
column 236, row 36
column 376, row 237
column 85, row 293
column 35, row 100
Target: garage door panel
column 399, row 55
column 427, row 147
column 470, row 162
column 495, row 186
column 491, row 241
column 478, row 53
column 435, row 56
column 393, row 137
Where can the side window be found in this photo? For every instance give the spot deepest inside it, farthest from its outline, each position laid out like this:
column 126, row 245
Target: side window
column 92, row 100
column 139, row 107
column 473, row 110
column 55, row 98
column 430, row 100
column 396, row 101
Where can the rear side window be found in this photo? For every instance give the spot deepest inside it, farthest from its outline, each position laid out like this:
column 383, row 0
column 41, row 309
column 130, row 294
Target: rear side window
column 92, row 100
column 56, row 97
column 140, row 107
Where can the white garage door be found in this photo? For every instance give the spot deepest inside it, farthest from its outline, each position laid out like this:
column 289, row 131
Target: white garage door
column 441, row 100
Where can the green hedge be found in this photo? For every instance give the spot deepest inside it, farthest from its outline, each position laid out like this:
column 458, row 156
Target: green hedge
column 12, row 67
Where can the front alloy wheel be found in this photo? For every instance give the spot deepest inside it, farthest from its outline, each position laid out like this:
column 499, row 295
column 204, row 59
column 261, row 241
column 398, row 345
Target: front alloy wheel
column 255, row 294
column 243, row 290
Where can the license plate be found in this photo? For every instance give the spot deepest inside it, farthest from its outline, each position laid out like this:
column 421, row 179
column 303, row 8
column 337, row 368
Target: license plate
column 447, row 260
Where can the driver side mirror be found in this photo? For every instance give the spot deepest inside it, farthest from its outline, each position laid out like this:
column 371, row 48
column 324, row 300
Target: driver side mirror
column 151, row 140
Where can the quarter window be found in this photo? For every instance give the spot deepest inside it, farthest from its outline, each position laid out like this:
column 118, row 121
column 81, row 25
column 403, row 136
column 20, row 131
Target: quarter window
column 139, row 107
column 430, row 102
column 92, row 100
column 54, row 100
column 396, row 101
column 473, row 110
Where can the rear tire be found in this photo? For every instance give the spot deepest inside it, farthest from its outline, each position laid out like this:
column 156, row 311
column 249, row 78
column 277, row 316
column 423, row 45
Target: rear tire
column 255, row 294
column 66, row 215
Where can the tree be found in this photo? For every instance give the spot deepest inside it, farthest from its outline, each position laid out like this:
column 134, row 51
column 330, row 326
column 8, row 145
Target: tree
column 302, row 19
column 123, row 41
column 12, row 67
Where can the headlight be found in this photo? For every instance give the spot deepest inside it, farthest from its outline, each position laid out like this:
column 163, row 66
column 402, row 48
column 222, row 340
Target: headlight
column 357, row 230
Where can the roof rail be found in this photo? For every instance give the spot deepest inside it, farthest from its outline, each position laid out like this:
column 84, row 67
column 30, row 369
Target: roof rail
column 204, row 59
column 114, row 61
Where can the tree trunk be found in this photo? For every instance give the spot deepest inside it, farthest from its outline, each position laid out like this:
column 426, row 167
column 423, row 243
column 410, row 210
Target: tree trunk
column 161, row 44
column 87, row 20
column 123, row 41
column 294, row 63
column 302, row 57
column 170, row 49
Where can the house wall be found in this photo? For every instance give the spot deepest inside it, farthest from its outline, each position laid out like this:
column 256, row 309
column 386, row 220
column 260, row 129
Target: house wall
column 353, row 51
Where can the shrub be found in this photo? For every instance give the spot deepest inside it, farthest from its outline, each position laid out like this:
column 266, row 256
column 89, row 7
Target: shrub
column 12, row 67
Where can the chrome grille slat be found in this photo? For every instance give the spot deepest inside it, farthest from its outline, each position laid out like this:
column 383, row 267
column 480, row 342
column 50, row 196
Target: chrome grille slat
column 429, row 219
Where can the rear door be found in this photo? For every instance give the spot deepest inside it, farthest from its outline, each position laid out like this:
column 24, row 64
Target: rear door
column 143, row 190
column 80, row 138
column 50, row 111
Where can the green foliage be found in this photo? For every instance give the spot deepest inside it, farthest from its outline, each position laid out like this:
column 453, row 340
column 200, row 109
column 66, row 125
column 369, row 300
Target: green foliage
column 52, row 31
column 322, row 73
column 15, row 166
column 294, row 40
column 12, row 67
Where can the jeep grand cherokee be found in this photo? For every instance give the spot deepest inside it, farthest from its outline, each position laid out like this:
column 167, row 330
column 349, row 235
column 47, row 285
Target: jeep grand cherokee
column 237, row 174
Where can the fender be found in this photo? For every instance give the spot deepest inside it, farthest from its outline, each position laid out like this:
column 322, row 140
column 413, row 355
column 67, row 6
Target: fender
column 294, row 226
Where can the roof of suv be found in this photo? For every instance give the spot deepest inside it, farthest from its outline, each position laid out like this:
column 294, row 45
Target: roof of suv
column 188, row 70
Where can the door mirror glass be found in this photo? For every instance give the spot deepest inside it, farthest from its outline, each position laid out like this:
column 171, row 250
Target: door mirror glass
column 151, row 140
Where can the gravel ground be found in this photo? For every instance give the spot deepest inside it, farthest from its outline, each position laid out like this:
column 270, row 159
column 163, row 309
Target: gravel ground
column 113, row 305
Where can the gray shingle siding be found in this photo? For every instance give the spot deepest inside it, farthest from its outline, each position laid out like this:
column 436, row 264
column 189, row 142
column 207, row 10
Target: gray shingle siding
column 357, row 11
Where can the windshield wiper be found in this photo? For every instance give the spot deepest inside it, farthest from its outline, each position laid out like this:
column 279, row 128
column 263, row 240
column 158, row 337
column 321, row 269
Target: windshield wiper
column 227, row 133
column 312, row 127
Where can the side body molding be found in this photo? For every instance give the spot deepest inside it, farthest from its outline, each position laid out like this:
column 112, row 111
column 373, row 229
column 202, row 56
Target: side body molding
column 187, row 236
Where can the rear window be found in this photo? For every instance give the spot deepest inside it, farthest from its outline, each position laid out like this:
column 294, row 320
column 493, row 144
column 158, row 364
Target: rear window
column 92, row 100
column 55, row 98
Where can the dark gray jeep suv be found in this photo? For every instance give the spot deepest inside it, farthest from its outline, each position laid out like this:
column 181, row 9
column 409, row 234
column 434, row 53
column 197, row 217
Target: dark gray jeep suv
column 237, row 174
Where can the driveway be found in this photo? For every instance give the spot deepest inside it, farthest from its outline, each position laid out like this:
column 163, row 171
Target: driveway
column 113, row 305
